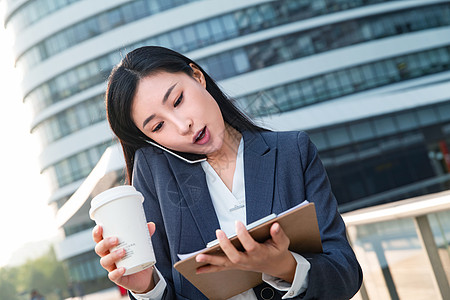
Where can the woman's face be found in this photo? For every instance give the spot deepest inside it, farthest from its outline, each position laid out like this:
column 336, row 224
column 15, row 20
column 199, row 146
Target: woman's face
column 176, row 111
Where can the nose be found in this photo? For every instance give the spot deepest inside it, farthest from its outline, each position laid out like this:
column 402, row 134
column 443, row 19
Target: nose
column 184, row 125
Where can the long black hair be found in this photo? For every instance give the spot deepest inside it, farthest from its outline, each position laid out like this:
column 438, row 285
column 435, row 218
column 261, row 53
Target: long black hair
column 121, row 89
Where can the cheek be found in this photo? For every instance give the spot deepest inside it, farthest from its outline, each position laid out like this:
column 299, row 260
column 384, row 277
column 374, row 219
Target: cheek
column 207, row 103
column 211, row 108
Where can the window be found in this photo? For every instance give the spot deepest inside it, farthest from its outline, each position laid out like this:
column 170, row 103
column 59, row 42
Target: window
column 384, row 126
column 217, row 29
column 427, row 116
column 189, row 37
column 308, row 92
column 361, row 131
column 293, row 93
column 338, row 136
column 332, row 84
column 319, row 139
column 346, row 85
column 177, row 39
column 406, row 121
column 114, row 18
column 320, row 87
column 203, row 33
column 444, row 112
column 241, row 62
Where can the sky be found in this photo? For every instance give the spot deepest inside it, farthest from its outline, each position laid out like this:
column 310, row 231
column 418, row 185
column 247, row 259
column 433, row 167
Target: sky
column 24, row 214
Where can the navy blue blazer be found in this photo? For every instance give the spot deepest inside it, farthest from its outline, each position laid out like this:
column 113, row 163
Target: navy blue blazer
column 281, row 170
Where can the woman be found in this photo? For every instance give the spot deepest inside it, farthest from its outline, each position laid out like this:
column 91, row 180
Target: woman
column 202, row 165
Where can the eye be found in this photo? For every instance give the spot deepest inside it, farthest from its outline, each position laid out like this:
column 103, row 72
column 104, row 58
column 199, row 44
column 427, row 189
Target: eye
column 178, row 100
column 158, row 127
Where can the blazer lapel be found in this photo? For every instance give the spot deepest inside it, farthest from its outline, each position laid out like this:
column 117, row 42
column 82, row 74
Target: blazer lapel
column 259, row 168
column 192, row 182
column 259, row 172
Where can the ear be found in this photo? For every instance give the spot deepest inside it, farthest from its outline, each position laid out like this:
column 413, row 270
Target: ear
column 198, row 75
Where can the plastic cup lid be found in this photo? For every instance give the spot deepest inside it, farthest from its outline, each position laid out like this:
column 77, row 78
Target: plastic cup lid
column 113, row 194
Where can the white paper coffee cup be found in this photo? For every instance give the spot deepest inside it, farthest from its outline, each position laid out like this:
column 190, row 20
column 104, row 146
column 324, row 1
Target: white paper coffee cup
column 120, row 212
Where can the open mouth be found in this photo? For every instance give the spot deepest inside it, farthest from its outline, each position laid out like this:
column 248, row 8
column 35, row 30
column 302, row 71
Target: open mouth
column 200, row 135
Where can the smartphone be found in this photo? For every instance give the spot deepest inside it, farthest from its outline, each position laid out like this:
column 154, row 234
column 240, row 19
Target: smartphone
column 187, row 157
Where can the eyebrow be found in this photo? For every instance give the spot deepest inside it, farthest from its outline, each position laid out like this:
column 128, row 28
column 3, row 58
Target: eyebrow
column 164, row 100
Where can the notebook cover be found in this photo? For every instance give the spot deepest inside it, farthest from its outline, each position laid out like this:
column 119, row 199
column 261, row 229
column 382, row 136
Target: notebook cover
column 300, row 225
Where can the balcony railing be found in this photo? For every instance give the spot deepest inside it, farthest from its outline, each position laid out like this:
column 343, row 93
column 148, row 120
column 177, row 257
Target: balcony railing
column 403, row 248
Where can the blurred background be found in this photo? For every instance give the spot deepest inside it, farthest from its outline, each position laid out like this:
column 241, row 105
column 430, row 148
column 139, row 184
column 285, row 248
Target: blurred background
column 369, row 80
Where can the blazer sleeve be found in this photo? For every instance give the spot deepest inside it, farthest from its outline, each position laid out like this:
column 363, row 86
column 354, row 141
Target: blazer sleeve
column 143, row 182
column 335, row 273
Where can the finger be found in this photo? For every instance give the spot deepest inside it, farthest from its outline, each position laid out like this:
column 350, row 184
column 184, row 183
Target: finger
column 151, row 228
column 279, row 237
column 108, row 262
column 217, row 260
column 249, row 244
column 116, row 274
column 97, row 233
column 102, row 248
column 209, row 269
column 228, row 248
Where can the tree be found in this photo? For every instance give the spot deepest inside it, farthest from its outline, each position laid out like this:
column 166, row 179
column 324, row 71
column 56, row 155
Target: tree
column 45, row 274
column 7, row 287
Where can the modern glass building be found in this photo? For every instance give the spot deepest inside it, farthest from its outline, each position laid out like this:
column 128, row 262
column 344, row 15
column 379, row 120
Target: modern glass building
column 367, row 79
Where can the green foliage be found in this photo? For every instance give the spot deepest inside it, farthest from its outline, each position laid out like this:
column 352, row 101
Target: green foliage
column 7, row 287
column 45, row 274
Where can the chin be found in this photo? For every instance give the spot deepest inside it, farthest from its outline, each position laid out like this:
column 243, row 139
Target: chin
column 214, row 148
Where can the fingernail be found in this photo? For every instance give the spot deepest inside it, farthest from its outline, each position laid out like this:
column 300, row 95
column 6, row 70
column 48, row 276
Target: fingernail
column 199, row 258
column 277, row 227
column 220, row 234
column 239, row 225
column 112, row 240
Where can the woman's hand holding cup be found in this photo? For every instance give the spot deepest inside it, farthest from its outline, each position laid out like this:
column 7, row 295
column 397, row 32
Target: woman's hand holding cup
column 140, row 282
column 123, row 237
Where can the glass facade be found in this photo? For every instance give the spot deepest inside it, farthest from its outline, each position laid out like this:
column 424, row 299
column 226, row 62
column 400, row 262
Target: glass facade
column 69, row 230
column 322, row 39
column 33, row 11
column 72, row 82
column 75, row 167
column 75, row 118
column 372, row 156
column 248, row 58
column 188, row 38
column 345, row 82
column 247, row 21
column 101, row 23
column 86, row 268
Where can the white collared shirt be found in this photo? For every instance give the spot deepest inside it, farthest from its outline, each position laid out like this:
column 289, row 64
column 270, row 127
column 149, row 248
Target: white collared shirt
column 230, row 207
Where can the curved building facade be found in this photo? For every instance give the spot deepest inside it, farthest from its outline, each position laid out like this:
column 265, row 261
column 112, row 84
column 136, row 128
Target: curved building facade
column 367, row 79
